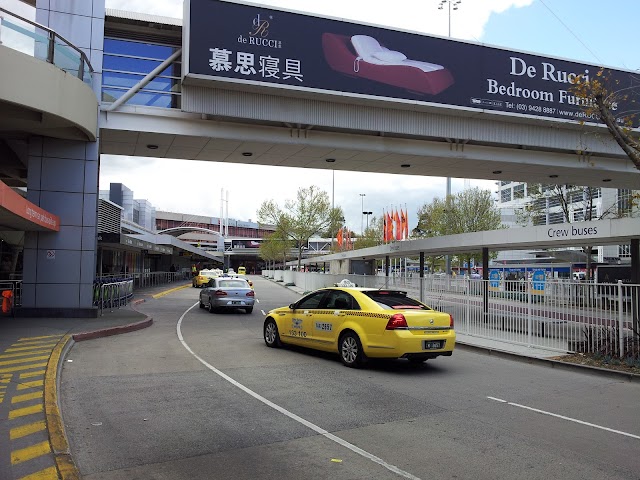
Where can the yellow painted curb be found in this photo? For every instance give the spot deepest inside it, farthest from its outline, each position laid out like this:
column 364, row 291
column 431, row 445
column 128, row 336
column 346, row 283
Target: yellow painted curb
column 59, row 445
column 167, row 292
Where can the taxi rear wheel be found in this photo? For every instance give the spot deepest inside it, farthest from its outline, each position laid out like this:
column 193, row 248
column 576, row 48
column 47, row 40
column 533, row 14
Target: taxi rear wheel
column 271, row 336
column 351, row 352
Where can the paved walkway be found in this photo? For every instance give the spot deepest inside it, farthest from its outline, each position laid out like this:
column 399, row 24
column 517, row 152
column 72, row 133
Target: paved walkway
column 31, row 355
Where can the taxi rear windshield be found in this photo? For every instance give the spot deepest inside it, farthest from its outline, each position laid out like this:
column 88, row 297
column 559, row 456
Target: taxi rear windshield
column 390, row 300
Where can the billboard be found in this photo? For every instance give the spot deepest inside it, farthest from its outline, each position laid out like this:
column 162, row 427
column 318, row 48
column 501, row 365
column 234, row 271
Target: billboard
column 263, row 46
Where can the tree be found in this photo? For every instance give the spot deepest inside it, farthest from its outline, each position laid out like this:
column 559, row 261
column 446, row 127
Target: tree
column 275, row 247
column 601, row 97
column 372, row 235
column 309, row 214
column 471, row 210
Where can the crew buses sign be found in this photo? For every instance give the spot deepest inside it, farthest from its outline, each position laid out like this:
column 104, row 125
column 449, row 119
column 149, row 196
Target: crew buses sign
column 239, row 43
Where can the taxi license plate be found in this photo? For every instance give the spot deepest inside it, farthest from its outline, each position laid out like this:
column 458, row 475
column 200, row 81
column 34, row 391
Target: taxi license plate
column 432, row 344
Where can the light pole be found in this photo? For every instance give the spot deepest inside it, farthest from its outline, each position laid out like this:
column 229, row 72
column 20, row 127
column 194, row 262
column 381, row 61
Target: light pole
column 362, row 195
column 453, row 5
column 367, row 214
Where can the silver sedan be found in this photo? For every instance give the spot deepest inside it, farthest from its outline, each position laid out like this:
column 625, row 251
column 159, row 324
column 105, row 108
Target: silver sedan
column 227, row 292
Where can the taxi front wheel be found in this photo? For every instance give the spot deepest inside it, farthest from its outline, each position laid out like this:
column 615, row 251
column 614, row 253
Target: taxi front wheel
column 351, row 352
column 271, row 336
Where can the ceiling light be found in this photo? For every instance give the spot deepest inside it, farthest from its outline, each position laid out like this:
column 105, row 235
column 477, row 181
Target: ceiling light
column 553, row 176
column 152, row 147
column 246, row 154
column 606, row 179
column 405, row 165
column 497, row 172
column 330, row 160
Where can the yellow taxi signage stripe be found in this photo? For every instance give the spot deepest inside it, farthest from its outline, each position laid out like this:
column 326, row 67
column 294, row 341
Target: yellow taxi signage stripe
column 37, row 343
column 24, row 430
column 26, row 397
column 23, row 412
column 33, row 384
column 50, row 473
column 42, row 337
column 24, row 360
column 32, row 374
column 22, row 367
column 29, row 453
column 24, row 354
column 24, row 349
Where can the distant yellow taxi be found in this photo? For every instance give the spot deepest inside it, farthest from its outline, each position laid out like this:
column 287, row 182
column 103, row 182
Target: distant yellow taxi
column 361, row 323
column 204, row 276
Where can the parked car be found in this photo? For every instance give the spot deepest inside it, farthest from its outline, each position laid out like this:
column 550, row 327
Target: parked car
column 204, row 276
column 227, row 293
column 358, row 323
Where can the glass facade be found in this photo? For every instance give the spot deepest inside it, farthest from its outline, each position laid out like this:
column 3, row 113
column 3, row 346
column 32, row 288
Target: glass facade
column 126, row 62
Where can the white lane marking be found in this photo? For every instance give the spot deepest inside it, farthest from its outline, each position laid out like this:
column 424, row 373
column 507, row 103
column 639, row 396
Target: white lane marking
column 289, row 414
column 257, row 300
column 497, row 399
column 262, row 311
column 575, row 420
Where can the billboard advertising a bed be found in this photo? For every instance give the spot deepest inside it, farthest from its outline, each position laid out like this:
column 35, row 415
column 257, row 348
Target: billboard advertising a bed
column 257, row 45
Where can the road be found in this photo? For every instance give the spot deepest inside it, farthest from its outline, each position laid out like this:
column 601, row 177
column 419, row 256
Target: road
column 199, row 396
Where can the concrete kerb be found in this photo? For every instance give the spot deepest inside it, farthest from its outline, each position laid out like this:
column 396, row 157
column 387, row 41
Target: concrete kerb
column 67, row 469
column 548, row 362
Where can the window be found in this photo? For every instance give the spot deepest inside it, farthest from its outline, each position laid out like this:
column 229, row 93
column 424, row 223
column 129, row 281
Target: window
column 556, row 217
column 126, row 62
column 518, row 191
column 505, row 195
column 390, row 300
column 339, row 300
column 576, row 197
column 625, row 203
column 624, row 251
column 554, row 201
column 311, row 301
column 593, row 192
column 540, row 204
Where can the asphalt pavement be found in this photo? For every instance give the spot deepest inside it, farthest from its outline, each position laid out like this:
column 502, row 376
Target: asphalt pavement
column 32, row 352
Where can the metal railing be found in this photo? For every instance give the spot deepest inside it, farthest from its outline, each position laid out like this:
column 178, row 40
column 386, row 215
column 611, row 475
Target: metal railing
column 41, row 42
column 152, row 279
column 558, row 315
column 112, row 295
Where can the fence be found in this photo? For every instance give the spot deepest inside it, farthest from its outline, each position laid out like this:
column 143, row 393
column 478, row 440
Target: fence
column 112, row 294
column 559, row 315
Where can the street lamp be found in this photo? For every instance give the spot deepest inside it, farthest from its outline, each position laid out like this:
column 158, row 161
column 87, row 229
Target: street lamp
column 367, row 214
column 362, row 195
column 453, row 5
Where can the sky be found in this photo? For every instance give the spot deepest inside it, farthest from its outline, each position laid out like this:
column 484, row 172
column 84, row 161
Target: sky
column 590, row 31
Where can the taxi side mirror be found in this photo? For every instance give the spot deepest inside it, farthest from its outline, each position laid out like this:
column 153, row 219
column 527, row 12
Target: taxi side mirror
column 292, row 306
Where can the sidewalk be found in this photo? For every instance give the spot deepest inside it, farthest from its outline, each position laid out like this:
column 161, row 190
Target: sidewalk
column 32, row 351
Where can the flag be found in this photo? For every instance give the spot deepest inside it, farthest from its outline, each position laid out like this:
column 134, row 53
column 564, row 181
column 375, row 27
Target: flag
column 389, row 227
column 339, row 237
column 384, row 227
column 398, row 222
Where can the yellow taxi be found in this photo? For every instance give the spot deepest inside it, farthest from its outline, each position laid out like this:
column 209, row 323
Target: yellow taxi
column 204, row 276
column 361, row 323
